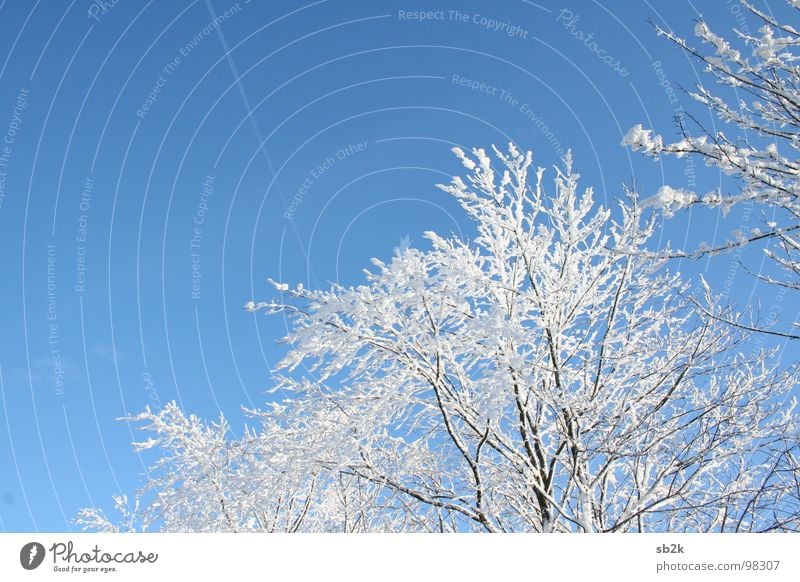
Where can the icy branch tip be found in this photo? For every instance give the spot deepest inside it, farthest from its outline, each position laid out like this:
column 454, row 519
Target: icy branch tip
column 279, row 286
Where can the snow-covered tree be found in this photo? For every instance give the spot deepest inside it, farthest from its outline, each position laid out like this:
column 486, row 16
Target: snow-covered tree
column 545, row 376
column 758, row 97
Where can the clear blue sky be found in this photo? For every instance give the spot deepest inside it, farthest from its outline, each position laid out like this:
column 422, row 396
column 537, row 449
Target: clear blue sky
column 162, row 167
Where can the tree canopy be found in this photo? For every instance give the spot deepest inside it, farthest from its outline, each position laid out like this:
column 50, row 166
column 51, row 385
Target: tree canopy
column 547, row 375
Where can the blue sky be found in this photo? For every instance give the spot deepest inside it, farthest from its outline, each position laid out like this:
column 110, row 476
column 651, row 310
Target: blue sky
column 162, row 167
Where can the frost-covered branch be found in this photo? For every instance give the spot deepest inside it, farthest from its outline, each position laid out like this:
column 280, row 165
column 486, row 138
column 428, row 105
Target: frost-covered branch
column 760, row 97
